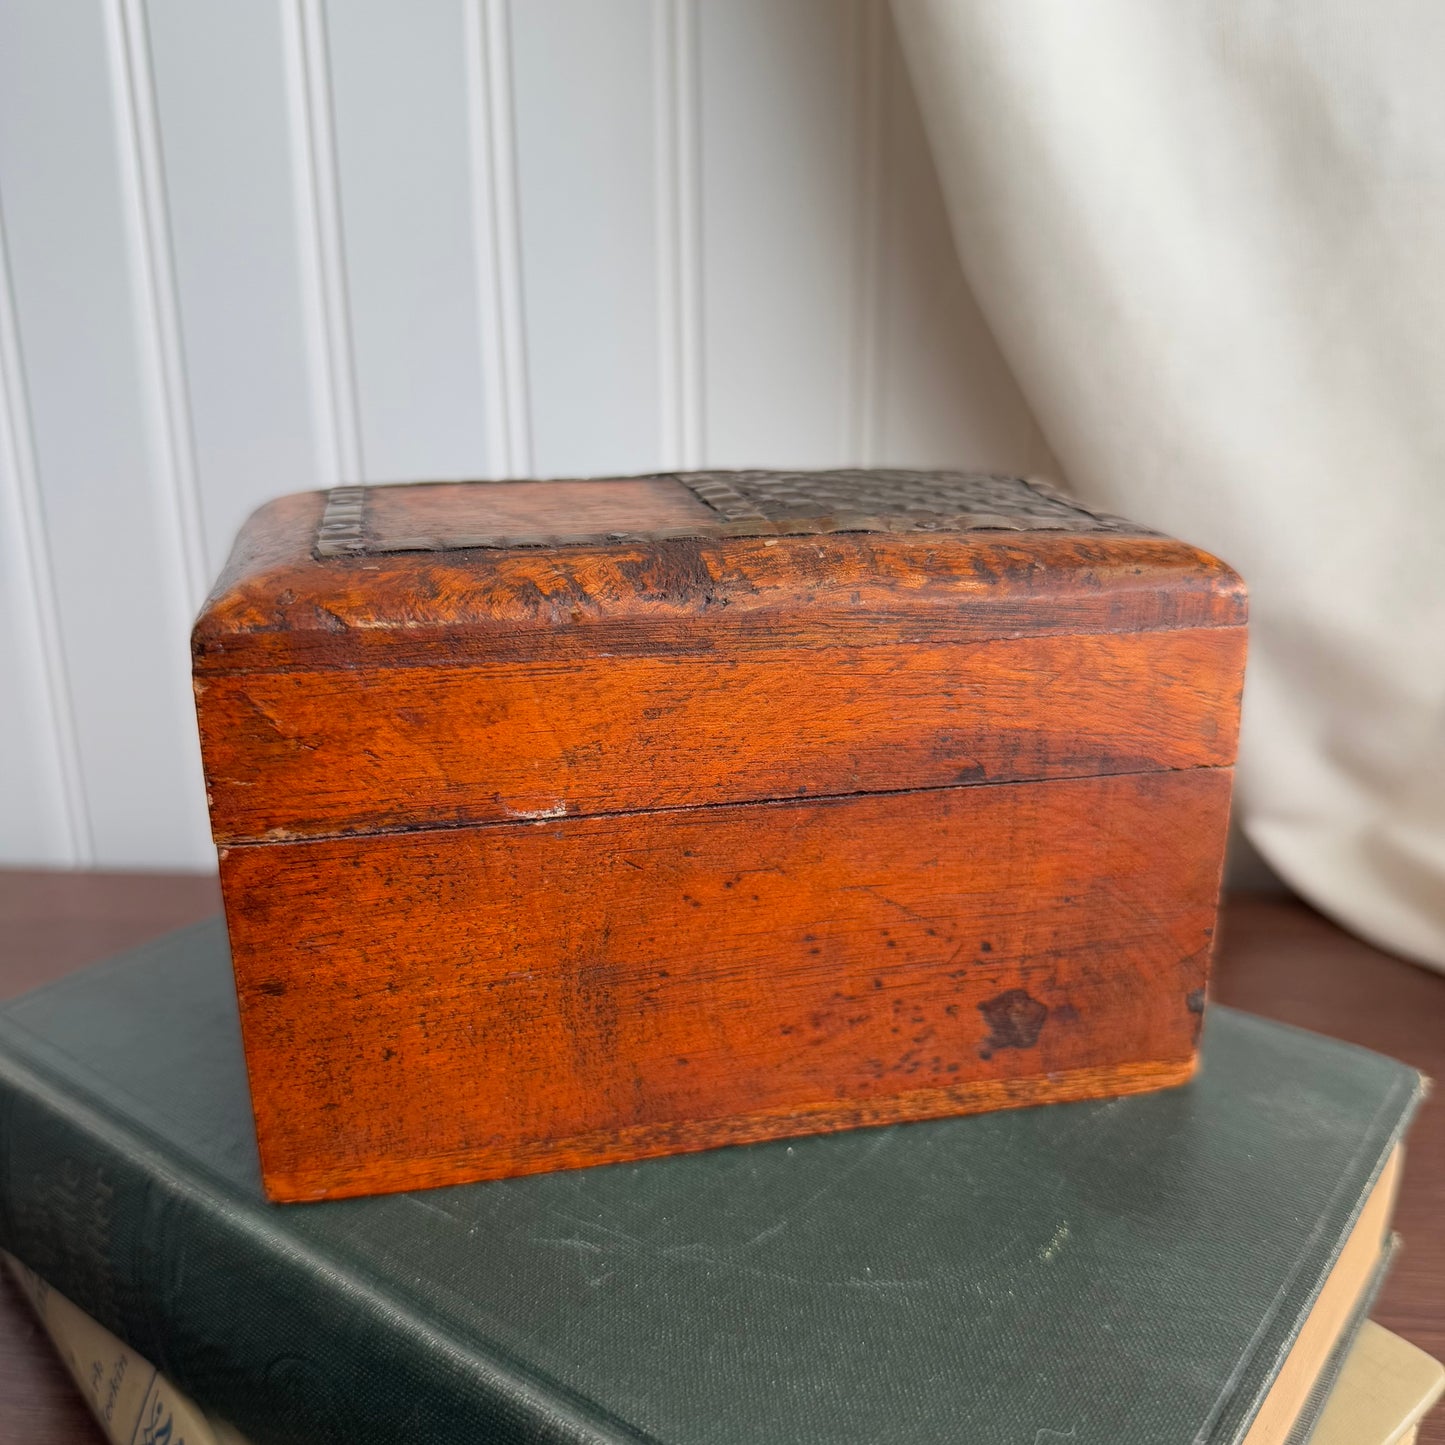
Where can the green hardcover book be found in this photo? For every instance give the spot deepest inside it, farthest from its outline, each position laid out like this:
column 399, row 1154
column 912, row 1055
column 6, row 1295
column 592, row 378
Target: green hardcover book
column 1143, row 1270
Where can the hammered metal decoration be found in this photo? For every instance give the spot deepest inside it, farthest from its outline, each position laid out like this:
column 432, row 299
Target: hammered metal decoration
column 339, row 533
column 777, row 504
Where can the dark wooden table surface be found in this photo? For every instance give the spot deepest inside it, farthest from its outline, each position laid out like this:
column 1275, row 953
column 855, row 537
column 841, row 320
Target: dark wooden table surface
column 1277, row 958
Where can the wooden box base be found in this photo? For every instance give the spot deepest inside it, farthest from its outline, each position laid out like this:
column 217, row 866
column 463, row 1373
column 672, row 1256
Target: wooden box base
column 453, row 1004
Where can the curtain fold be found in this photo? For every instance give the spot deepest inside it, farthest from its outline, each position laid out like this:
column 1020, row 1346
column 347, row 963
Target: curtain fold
column 1210, row 240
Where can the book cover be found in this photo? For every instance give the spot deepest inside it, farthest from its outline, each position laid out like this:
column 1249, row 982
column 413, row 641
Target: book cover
column 1380, row 1387
column 1131, row 1270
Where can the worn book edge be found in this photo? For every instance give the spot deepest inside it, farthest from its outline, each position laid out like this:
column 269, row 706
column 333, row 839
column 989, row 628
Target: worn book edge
column 1375, row 1390
column 1330, row 1372
column 1386, row 1387
column 1335, row 1312
column 1247, row 1393
column 136, row 1161
column 132, row 1401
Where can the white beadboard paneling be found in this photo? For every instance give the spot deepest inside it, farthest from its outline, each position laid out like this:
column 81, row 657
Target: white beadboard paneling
column 496, row 236
column 261, row 247
column 678, row 209
column 221, row 100
column 153, row 272
column 74, row 215
column 398, row 78
column 779, row 94
column 870, row 51
column 943, row 393
column 585, row 128
column 42, row 812
column 321, row 255
column 34, row 818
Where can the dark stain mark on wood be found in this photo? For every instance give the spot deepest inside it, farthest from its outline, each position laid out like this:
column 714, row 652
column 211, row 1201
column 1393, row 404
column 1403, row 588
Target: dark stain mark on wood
column 328, row 620
column 1195, row 1001
column 272, row 987
column 674, row 571
column 1014, row 1021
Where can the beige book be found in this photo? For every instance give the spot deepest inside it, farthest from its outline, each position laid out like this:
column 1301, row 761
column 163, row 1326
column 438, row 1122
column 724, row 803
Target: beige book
column 1386, row 1387
column 134, row 1403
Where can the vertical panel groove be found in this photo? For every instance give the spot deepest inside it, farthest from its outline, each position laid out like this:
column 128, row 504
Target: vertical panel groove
column 497, row 355
column 323, row 256
column 677, row 159
column 19, row 444
column 867, row 381
column 143, row 181
column 498, row 226
column 507, row 210
column 666, row 220
column 489, row 300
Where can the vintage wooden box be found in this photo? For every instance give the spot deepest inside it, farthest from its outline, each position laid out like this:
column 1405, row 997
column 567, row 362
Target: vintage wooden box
column 575, row 821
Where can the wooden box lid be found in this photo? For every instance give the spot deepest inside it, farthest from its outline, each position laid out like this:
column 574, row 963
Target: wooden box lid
column 375, row 659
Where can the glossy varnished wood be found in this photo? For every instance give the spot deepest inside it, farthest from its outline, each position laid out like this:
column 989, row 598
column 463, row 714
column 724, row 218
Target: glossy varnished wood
column 410, row 689
column 1276, row 957
column 276, row 606
column 592, row 989
column 581, row 821
column 318, row 752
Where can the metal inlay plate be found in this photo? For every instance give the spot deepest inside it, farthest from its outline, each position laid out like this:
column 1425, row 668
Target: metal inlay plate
column 734, row 504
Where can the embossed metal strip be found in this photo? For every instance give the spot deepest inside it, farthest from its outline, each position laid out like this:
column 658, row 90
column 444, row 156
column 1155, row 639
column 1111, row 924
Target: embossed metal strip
column 339, row 533
column 760, row 504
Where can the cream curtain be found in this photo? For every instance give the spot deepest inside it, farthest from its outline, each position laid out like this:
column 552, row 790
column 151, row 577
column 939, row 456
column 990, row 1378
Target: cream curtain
column 1210, row 240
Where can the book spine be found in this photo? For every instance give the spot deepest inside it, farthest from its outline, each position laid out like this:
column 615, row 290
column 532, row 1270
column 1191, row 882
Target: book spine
column 247, row 1319
column 130, row 1399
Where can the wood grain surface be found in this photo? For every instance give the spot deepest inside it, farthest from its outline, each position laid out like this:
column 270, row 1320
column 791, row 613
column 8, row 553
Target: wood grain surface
column 414, row 689
column 313, row 753
column 276, row 606
column 590, row 989
column 931, row 814
column 1277, row 957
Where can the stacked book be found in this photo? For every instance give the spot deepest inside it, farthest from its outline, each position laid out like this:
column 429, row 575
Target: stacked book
column 1194, row 1265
